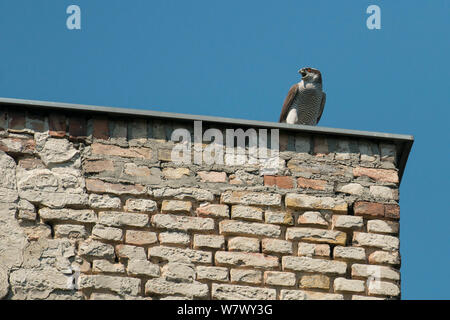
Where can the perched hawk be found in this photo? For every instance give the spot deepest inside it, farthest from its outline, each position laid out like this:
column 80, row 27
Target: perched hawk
column 305, row 100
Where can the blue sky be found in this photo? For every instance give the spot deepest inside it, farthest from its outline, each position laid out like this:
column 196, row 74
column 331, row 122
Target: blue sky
column 238, row 59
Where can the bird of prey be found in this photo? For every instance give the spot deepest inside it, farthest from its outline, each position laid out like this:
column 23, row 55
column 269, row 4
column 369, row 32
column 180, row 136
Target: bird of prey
column 305, row 100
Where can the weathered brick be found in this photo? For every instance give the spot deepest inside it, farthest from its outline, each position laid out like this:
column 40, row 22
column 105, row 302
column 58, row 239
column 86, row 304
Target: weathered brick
column 160, row 286
column 347, row 222
column 374, row 271
column 120, row 285
column 176, row 206
column 208, row 241
column 384, row 257
column 77, row 127
column 175, row 173
column 214, row 210
column 358, row 297
column 96, row 249
column 306, row 202
column 17, row 145
column 383, row 175
column 130, row 252
column 276, row 246
column 57, row 124
column 107, row 233
column 308, row 295
column 251, row 198
column 16, row 120
column 212, row 176
column 180, row 255
column 381, row 226
column 70, row 231
column 316, row 235
column 178, row 272
column 112, row 150
column 173, row 237
column 312, row 218
column 238, row 292
column 351, row 188
column 313, row 249
column 182, row 193
column 376, row 240
column 384, row 193
column 104, row 201
column 244, row 259
column 370, row 209
column 392, row 211
column 313, row 265
column 243, row 244
column 212, row 273
column 376, row 287
column 278, row 217
column 277, row 278
column 140, row 238
column 347, row 285
column 98, row 186
column 100, row 128
column 231, row 227
column 107, row 266
column 315, row 281
column 246, row 213
column 311, row 183
column 83, row 216
column 140, row 205
column 142, row 267
column 284, row 182
column 184, row 223
column 349, row 253
column 121, row 219
column 246, row 276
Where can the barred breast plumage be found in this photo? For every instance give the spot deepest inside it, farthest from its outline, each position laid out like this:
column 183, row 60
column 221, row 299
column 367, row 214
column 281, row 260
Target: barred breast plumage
column 307, row 101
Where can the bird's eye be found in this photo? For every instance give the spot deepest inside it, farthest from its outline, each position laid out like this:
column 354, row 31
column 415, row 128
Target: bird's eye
column 309, row 69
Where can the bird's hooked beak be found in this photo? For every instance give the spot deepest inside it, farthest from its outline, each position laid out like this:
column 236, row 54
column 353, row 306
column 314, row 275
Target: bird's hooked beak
column 302, row 72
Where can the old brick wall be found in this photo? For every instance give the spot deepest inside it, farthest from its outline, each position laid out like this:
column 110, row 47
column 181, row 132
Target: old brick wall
column 91, row 207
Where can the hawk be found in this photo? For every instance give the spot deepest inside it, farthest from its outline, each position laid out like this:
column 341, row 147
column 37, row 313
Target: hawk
column 305, row 100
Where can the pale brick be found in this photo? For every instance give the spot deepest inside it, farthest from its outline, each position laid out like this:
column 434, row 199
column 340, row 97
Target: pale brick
column 315, row 281
column 107, row 233
column 349, row 253
column 212, row 273
column 179, row 272
column 347, row 222
column 376, row 240
column 176, row 206
column 312, row 218
column 130, row 252
column 180, row 255
column 276, row 246
column 212, row 176
column 214, row 210
column 313, row 249
column 175, row 173
column 208, row 241
column 140, row 205
column 377, row 174
column 246, row 213
column 308, row 295
column 70, row 231
column 243, row 244
column 376, row 287
column 231, row 227
column 106, row 266
column 182, row 193
column 123, row 219
column 244, row 259
column 351, row 188
column 381, row 226
column 92, row 248
column 140, row 238
column 277, row 278
column 70, row 215
column 381, row 192
column 104, row 201
column 120, row 285
column 308, row 264
column 246, row 276
column 316, row 235
column 384, row 257
column 172, row 237
column 278, row 217
column 306, row 202
column 112, row 150
column 184, row 223
column 160, row 286
column 377, row 272
column 142, row 267
column 104, row 296
column 251, row 198
column 238, row 292
column 346, row 285
column 358, row 297
column 98, row 186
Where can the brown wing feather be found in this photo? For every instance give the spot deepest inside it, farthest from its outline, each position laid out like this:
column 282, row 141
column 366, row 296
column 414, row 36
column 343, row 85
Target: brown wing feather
column 287, row 102
column 322, row 105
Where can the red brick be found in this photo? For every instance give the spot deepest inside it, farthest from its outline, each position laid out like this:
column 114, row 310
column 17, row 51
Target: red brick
column 372, row 209
column 284, row 182
column 392, row 211
column 98, row 166
column 101, row 128
column 16, row 120
column 385, row 175
column 213, row 176
column 77, row 127
column 57, row 125
column 311, row 184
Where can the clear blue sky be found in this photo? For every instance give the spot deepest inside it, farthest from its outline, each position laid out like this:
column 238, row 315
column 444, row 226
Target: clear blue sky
column 238, row 59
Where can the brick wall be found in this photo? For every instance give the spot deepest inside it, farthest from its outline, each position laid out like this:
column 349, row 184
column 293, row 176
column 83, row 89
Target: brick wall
column 91, row 207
